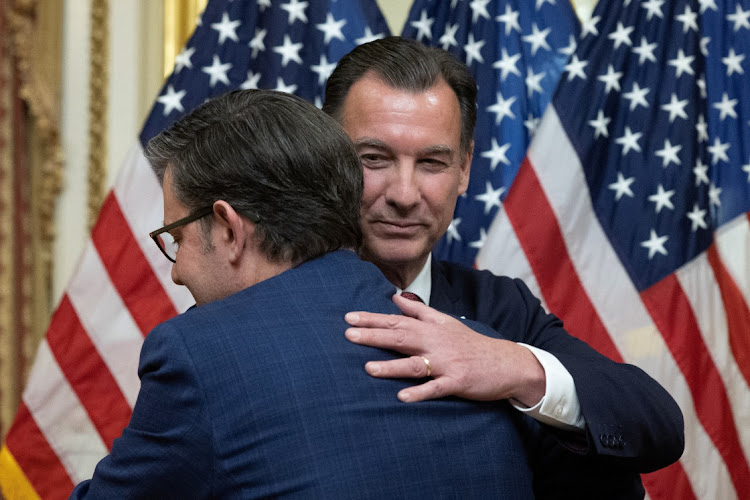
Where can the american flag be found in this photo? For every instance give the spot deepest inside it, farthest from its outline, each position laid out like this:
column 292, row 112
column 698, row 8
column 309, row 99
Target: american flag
column 629, row 217
column 84, row 381
column 516, row 50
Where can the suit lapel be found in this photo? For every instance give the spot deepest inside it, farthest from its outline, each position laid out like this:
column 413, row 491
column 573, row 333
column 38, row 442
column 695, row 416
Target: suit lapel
column 443, row 296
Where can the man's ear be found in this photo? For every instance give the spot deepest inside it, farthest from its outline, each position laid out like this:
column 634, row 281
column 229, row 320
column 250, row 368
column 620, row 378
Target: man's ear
column 234, row 229
column 465, row 170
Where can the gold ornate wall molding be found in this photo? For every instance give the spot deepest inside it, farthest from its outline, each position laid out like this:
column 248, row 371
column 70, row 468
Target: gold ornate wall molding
column 31, row 172
column 98, row 108
column 8, row 341
column 37, row 33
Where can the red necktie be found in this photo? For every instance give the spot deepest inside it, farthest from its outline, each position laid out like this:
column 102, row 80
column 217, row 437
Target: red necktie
column 411, row 296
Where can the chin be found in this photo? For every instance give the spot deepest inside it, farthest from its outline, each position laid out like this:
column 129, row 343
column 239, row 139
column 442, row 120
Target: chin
column 396, row 254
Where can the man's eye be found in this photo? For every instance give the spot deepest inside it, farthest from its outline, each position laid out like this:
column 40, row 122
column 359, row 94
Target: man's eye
column 373, row 161
column 433, row 164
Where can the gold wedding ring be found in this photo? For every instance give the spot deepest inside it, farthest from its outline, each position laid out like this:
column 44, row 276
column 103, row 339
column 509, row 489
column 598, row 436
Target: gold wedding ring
column 427, row 364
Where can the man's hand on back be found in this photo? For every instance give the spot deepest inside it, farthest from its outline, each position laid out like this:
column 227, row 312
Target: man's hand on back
column 462, row 362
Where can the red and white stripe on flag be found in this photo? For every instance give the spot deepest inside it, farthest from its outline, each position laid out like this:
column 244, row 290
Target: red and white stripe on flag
column 688, row 331
column 84, row 380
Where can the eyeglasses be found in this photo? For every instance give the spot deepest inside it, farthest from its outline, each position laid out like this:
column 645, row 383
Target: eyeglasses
column 165, row 241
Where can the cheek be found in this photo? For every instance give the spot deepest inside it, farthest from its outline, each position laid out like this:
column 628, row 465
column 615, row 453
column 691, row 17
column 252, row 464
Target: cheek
column 176, row 274
column 441, row 193
column 375, row 182
column 181, row 268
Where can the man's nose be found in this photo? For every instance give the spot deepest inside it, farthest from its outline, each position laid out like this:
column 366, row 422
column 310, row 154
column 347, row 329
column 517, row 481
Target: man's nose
column 403, row 190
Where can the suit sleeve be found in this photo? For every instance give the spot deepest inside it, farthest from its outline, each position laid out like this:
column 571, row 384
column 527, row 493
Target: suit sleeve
column 629, row 416
column 631, row 420
column 165, row 451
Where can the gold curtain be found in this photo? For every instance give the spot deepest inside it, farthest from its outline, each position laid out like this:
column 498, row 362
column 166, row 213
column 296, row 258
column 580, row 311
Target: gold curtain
column 30, row 177
column 180, row 17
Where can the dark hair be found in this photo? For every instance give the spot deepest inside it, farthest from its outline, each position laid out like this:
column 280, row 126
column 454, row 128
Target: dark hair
column 409, row 65
column 270, row 154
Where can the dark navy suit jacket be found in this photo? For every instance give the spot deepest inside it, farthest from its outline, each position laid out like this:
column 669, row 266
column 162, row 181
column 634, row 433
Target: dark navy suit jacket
column 261, row 395
column 632, row 424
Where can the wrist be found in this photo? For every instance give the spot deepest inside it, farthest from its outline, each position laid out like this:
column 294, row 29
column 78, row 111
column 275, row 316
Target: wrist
column 533, row 380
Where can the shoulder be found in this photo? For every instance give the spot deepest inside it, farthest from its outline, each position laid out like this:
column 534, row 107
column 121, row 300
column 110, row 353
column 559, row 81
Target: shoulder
column 338, row 279
column 338, row 266
column 196, row 318
column 506, row 304
column 474, row 282
column 177, row 339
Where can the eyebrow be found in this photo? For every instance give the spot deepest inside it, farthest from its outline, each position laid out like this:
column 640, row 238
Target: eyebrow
column 438, row 150
column 370, row 142
column 435, row 150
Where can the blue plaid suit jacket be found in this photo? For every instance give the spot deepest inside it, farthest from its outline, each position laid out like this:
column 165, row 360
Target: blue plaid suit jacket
column 261, row 395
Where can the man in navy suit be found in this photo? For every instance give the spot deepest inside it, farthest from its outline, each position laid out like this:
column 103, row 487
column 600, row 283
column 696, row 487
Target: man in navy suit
column 410, row 111
column 256, row 392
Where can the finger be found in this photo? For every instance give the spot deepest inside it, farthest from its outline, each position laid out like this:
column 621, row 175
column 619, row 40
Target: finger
column 375, row 320
column 411, row 367
column 420, row 311
column 411, row 309
column 432, row 389
column 397, row 339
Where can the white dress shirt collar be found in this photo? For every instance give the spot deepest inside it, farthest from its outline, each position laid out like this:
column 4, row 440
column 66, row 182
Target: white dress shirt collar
column 422, row 284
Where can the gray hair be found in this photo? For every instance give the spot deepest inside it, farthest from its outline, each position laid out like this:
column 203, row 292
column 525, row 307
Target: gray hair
column 270, row 154
column 409, row 65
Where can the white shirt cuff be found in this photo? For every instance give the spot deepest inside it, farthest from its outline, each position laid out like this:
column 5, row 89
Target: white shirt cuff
column 559, row 407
